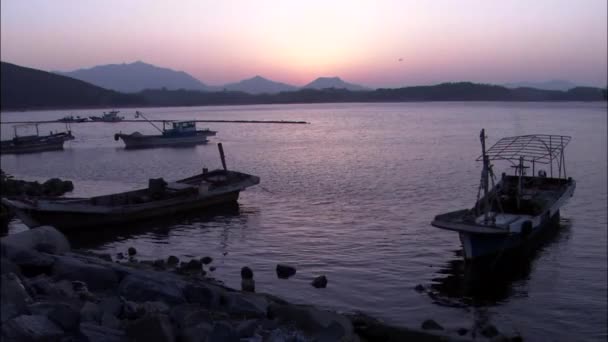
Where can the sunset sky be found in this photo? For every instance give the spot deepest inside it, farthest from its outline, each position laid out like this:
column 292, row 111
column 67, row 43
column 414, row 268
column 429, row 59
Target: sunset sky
column 374, row 43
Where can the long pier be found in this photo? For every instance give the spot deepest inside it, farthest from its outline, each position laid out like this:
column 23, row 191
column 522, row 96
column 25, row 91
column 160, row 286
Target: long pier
column 212, row 121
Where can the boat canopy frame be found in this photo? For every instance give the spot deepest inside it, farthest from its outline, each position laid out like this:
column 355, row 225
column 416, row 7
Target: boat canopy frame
column 532, row 148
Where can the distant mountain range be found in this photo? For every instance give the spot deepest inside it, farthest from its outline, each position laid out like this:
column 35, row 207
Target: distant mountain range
column 259, row 85
column 138, row 76
column 135, row 77
column 26, row 88
column 22, row 88
column 333, row 82
column 547, row 85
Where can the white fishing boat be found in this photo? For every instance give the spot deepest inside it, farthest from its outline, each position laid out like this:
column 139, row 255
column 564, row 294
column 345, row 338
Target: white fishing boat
column 517, row 209
column 111, row 116
column 178, row 133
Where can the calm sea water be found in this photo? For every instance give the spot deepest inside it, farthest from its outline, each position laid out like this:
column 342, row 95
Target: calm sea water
column 351, row 196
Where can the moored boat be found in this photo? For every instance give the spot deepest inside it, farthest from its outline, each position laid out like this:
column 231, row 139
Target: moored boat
column 159, row 199
column 34, row 143
column 516, row 210
column 71, row 118
column 111, row 116
column 179, row 133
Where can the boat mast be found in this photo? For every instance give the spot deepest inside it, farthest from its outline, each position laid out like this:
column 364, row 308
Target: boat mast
column 484, row 175
column 138, row 114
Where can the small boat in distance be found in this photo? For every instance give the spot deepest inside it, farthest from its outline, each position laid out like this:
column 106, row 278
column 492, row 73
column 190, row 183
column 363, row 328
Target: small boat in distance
column 160, row 198
column 34, row 143
column 179, row 133
column 515, row 212
column 71, row 118
column 111, row 116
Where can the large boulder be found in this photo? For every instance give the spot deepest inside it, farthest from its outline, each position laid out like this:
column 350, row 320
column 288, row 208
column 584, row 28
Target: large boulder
column 97, row 333
column 31, row 262
column 31, row 328
column 96, row 277
column 247, row 305
column 63, row 314
column 316, row 322
column 13, row 296
column 45, row 238
column 151, row 328
column 141, row 288
column 223, row 332
column 204, row 295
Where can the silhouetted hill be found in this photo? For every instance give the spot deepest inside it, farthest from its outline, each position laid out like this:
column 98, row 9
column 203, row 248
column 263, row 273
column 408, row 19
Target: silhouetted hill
column 259, row 85
column 332, row 82
column 547, row 85
column 135, row 77
column 463, row 91
column 25, row 88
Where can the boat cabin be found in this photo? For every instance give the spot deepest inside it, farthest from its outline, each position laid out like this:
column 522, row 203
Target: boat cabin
column 180, row 128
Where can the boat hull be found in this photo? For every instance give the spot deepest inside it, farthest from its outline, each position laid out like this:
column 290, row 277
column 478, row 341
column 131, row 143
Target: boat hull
column 35, row 144
column 147, row 141
column 484, row 246
column 70, row 220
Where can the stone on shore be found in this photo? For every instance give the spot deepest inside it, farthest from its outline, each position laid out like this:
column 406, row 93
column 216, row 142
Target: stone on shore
column 223, row 332
column 430, row 324
column 248, row 305
column 313, row 321
column 172, row 260
column 60, row 313
column 13, row 297
column 489, row 331
column 31, row 328
column 246, row 273
column 31, row 262
column 91, row 312
column 285, row 271
column 248, row 285
column 132, row 251
column 96, row 333
column 201, row 294
column 206, row 260
column 319, row 282
column 95, row 276
column 32, row 239
column 151, row 328
column 141, row 289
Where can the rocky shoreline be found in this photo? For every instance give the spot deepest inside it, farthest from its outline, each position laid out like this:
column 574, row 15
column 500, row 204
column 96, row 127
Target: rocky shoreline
column 51, row 293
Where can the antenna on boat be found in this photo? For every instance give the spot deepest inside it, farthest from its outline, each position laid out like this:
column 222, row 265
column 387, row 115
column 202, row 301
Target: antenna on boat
column 222, row 157
column 484, row 174
column 138, row 114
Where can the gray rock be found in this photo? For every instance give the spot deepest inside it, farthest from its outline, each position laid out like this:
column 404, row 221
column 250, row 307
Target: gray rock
column 312, row 320
column 489, row 331
column 31, row 328
column 120, row 256
column 196, row 333
column 201, row 294
column 152, row 328
column 31, row 262
column 212, row 268
column 247, row 328
column 430, row 324
column 223, row 332
column 90, row 312
column 110, row 321
column 247, row 305
column 139, row 288
column 190, row 315
column 13, row 297
column 419, row 288
column 60, row 313
column 285, row 271
column 95, row 276
column 319, row 282
column 248, row 285
column 172, row 260
column 206, row 260
column 30, row 239
column 7, row 266
column 193, row 266
column 155, row 307
column 246, row 273
column 159, row 263
column 96, row 333
column 132, row 251
column 111, row 305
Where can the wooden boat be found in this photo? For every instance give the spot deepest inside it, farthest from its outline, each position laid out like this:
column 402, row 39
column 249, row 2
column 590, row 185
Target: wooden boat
column 111, row 116
column 34, row 143
column 160, row 199
column 180, row 133
column 71, row 118
column 520, row 207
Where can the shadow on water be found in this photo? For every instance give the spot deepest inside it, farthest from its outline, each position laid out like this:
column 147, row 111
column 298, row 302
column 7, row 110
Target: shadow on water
column 159, row 226
column 491, row 282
